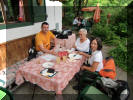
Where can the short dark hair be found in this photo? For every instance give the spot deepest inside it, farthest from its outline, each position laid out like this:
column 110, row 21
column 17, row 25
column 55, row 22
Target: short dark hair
column 44, row 23
column 99, row 42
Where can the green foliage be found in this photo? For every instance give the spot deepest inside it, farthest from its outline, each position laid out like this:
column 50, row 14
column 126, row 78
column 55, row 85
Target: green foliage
column 69, row 16
column 121, row 29
column 102, row 31
column 106, row 33
column 114, row 34
column 1, row 19
column 120, row 55
column 78, row 4
column 102, row 2
column 117, row 27
column 109, row 2
column 119, row 22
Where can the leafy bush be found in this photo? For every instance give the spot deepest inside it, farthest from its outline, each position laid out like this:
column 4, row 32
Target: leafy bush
column 106, row 34
column 114, row 34
column 69, row 16
column 120, row 55
column 121, row 29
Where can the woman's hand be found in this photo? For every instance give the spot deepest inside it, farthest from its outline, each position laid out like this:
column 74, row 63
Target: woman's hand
column 92, row 68
column 81, row 53
column 83, row 68
column 84, row 54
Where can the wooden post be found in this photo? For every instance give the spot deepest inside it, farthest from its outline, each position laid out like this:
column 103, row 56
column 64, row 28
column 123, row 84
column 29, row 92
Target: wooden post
column 3, row 11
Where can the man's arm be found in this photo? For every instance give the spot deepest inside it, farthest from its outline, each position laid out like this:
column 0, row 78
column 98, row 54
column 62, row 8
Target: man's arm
column 74, row 46
column 54, row 41
column 45, row 50
column 53, row 38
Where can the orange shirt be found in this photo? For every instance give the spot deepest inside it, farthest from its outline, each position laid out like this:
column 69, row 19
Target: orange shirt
column 44, row 39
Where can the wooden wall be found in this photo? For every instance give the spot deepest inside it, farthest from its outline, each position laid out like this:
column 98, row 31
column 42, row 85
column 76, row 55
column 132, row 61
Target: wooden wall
column 14, row 51
column 2, row 56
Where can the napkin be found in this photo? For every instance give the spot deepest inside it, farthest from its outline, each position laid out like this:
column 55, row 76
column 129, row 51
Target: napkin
column 49, row 57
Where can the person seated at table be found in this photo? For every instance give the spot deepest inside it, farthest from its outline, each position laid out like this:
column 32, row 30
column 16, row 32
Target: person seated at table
column 43, row 38
column 76, row 23
column 82, row 43
column 96, row 58
column 95, row 64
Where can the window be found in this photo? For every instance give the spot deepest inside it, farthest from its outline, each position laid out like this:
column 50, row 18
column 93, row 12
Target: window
column 16, row 13
column 39, row 10
column 1, row 18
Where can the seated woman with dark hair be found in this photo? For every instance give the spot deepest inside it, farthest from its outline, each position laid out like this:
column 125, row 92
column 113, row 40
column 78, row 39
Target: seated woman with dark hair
column 96, row 58
column 95, row 63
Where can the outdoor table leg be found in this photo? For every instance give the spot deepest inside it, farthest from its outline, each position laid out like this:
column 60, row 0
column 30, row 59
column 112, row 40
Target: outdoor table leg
column 59, row 95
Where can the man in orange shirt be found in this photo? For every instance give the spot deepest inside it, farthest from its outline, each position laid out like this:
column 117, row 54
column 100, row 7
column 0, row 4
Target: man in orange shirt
column 43, row 39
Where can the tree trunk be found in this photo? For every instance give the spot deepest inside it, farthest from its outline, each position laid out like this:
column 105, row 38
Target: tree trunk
column 79, row 7
column 78, row 4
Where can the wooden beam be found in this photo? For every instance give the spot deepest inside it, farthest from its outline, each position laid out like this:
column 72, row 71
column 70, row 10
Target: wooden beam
column 3, row 11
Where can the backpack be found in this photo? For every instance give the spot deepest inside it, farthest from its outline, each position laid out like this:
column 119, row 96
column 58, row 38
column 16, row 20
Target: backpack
column 32, row 53
column 117, row 90
column 64, row 34
column 109, row 68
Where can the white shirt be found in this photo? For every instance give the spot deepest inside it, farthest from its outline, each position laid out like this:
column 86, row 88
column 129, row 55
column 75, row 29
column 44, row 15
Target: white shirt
column 97, row 57
column 84, row 47
column 75, row 21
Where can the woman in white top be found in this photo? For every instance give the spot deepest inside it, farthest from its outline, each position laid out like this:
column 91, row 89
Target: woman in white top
column 96, row 58
column 82, row 43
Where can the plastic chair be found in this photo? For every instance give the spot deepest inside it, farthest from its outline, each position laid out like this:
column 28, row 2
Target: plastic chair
column 92, row 93
column 5, row 94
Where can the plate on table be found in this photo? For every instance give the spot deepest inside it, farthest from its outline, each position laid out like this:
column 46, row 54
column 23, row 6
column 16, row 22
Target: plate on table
column 49, row 57
column 70, row 50
column 46, row 73
column 75, row 56
column 48, row 65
